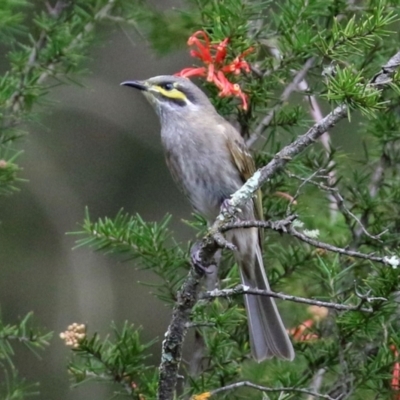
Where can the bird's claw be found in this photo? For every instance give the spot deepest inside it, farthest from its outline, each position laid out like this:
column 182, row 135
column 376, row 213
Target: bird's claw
column 223, row 243
column 228, row 208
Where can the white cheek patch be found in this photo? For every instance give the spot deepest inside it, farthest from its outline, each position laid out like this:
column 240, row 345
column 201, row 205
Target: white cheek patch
column 191, row 105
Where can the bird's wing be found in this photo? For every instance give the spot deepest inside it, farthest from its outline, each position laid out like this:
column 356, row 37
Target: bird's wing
column 246, row 166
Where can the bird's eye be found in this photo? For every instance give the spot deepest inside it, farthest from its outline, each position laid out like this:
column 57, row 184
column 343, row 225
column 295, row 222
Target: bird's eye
column 168, row 86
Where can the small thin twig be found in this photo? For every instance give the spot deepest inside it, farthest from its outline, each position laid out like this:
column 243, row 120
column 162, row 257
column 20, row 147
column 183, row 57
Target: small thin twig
column 342, row 206
column 312, row 182
column 297, row 194
column 365, row 297
column 269, row 390
column 285, row 226
column 316, row 114
column 377, row 179
column 240, row 289
column 339, row 202
column 289, row 89
column 316, row 382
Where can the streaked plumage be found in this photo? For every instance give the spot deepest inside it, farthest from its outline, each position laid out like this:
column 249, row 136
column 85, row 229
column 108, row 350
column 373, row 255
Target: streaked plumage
column 209, row 161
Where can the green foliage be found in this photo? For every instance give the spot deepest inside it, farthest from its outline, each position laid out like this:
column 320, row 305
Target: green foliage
column 348, row 88
column 120, row 360
column 146, row 242
column 50, row 43
column 11, row 18
column 12, row 387
column 357, row 36
column 8, row 174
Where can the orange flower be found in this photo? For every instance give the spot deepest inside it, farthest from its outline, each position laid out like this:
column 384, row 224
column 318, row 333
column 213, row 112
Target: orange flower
column 395, row 383
column 300, row 334
column 213, row 56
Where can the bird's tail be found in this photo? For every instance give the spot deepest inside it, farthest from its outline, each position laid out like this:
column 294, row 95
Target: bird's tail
column 268, row 336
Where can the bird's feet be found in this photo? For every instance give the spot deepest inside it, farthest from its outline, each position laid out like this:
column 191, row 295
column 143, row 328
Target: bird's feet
column 223, row 243
column 228, row 210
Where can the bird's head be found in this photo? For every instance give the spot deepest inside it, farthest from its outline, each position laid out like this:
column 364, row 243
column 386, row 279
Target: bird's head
column 172, row 95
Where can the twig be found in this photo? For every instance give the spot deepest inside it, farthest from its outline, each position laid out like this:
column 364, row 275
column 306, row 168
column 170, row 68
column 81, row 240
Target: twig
column 316, row 114
column 384, row 76
column 373, row 187
column 312, row 182
column 240, row 289
column 200, row 324
column 284, row 97
column 365, row 297
column 297, row 194
column 340, row 201
column 342, row 206
column 285, row 226
column 316, row 382
column 268, row 390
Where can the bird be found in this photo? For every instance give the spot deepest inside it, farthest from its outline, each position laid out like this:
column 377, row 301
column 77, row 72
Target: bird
column 208, row 160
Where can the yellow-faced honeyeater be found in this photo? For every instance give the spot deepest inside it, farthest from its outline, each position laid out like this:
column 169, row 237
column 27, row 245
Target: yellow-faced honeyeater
column 209, row 161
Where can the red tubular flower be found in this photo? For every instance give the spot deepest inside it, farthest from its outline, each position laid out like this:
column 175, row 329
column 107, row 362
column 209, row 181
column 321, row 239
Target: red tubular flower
column 238, row 64
column 395, row 383
column 187, row 72
column 213, row 56
column 221, row 51
column 203, row 51
column 300, row 334
column 222, row 83
column 211, row 73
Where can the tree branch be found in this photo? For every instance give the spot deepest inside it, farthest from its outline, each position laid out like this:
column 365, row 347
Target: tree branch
column 175, row 335
column 240, row 289
column 266, row 390
column 285, row 226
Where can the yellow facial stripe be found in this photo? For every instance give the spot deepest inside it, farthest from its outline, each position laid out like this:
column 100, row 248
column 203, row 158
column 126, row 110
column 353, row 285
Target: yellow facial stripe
column 171, row 94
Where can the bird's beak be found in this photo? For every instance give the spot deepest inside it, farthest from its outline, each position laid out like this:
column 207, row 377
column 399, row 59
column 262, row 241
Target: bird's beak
column 136, row 84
